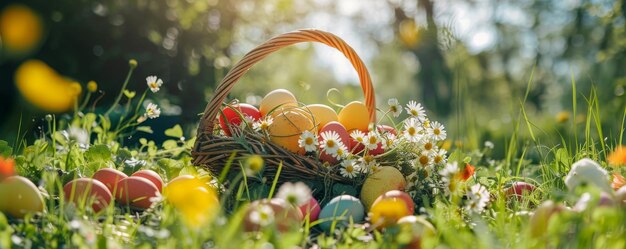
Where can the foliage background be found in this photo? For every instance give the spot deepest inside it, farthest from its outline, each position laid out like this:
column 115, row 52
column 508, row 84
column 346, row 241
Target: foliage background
column 470, row 62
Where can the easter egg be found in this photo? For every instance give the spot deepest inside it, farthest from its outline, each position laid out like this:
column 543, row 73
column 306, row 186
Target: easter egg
column 387, row 211
column 354, row 116
column 311, row 208
column 19, row 196
column 152, row 176
column 287, row 127
column 283, row 215
column 85, row 191
column 518, row 189
column 385, row 179
column 400, row 195
column 419, row 228
column 136, row 192
column 232, row 116
column 341, row 209
column 174, row 189
column 275, row 100
column 343, row 136
column 322, row 114
column 109, row 177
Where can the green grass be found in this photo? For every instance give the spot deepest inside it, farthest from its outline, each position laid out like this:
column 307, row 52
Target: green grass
column 529, row 155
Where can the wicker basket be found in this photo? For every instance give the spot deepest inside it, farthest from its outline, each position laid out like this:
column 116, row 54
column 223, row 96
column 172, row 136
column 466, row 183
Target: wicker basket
column 212, row 151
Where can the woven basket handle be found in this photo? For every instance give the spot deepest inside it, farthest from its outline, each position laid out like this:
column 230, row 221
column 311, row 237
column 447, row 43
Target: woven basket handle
column 274, row 44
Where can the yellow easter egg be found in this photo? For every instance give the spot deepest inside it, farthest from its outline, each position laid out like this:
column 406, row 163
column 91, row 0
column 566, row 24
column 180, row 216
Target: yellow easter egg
column 354, row 116
column 20, row 197
column 277, row 98
column 322, row 114
column 287, row 128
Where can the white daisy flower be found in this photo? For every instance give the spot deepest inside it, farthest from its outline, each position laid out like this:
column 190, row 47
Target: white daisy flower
column 263, row 124
column 416, row 110
column 374, row 167
column 154, row 83
column 424, row 160
column 342, row 152
column 330, row 142
column 152, row 111
column 450, row 171
column 349, row 168
column 437, row 131
column 295, row 194
column 440, row 157
column 448, row 177
column 412, row 130
column 388, row 142
column 247, row 120
column 489, row 145
column 394, row 107
column 477, row 198
column 262, row 215
column 308, row 141
column 428, row 145
column 372, row 140
column 358, row 136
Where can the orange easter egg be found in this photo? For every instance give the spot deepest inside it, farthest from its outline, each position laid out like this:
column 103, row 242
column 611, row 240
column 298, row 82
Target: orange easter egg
column 287, row 128
column 277, row 98
column 354, row 116
column 322, row 114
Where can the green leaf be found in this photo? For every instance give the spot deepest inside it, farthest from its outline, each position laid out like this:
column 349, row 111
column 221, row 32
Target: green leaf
column 170, row 144
column 5, row 149
column 129, row 94
column 98, row 152
column 175, row 131
column 146, row 129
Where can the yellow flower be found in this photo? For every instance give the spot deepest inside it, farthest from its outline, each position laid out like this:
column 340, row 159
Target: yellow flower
column 92, row 86
column 618, row 156
column 193, row 198
column 45, row 88
column 21, row 29
column 562, row 117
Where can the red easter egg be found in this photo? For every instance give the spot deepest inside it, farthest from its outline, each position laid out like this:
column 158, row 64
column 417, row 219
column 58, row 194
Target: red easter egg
column 109, row 177
column 397, row 194
column 343, row 136
column 355, row 147
column 233, row 117
column 136, row 192
column 518, row 188
column 87, row 190
column 151, row 176
column 312, row 208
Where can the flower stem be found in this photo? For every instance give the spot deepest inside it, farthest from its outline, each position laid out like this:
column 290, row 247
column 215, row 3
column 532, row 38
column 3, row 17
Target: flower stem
column 119, row 96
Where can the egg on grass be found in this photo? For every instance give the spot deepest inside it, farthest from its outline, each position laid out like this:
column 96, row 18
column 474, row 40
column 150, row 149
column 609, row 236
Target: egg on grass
column 19, row 196
column 151, row 176
column 109, row 177
column 136, row 192
column 87, row 191
column 341, row 210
